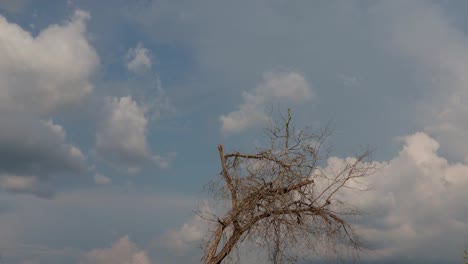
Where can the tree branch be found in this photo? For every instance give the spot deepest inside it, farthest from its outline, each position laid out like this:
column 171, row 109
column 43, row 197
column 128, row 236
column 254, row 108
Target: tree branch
column 227, row 177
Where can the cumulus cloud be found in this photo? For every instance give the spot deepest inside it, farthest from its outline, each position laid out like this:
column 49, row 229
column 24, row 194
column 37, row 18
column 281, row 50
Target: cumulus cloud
column 33, row 146
column 51, row 70
column 38, row 75
column 33, row 150
column 422, row 192
column 417, row 202
column 121, row 138
column 288, row 86
column 423, row 33
column 138, row 59
column 121, row 252
column 189, row 235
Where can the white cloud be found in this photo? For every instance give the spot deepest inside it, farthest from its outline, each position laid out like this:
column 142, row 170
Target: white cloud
column 122, row 252
column 421, row 192
column 122, row 137
column 423, row 33
column 101, row 179
column 190, row 234
column 40, row 74
column 289, row 86
column 138, row 59
column 417, row 201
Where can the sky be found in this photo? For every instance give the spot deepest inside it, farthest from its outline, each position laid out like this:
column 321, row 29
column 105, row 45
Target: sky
column 111, row 112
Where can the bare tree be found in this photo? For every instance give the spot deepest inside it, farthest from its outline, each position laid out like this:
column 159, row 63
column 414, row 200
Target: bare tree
column 282, row 198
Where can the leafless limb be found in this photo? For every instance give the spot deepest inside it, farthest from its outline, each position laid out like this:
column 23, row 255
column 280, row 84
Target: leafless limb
column 283, row 198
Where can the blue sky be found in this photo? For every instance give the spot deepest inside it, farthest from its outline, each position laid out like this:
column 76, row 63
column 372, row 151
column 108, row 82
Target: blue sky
column 111, row 112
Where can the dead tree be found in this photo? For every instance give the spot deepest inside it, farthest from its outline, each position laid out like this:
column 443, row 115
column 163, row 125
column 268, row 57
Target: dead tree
column 284, row 198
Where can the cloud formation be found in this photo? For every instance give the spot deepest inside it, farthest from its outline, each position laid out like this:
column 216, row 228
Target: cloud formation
column 138, row 59
column 423, row 34
column 189, row 235
column 417, row 201
column 31, row 151
column 121, row 252
column 122, row 136
column 38, row 76
column 291, row 87
column 49, row 71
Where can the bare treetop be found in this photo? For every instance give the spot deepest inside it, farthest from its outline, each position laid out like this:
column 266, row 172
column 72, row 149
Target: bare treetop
column 282, row 200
